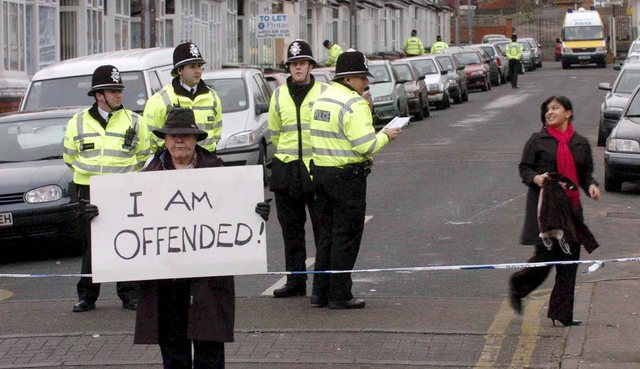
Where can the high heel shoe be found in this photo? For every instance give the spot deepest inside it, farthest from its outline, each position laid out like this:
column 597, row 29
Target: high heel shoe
column 567, row 323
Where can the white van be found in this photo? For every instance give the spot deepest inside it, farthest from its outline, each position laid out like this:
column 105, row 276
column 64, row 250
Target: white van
column 143, row 72
column 583, row 39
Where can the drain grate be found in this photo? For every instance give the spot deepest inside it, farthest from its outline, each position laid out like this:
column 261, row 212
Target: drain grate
column 613, row 214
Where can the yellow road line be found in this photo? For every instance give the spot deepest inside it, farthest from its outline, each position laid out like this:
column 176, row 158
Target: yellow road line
column 529, row 334
column 4, row 294
column 494, row 337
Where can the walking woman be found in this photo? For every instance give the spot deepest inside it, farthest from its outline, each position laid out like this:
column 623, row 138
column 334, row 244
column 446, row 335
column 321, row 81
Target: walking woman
column 556, row 148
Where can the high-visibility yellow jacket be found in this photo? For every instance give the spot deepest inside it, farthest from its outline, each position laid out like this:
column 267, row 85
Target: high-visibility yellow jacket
column 342, row 128
column 438, row 47
column 514, row 51
column 413, row 46
column 205, row 104
column 89, row 149
column 334, row 53
column 283, row 122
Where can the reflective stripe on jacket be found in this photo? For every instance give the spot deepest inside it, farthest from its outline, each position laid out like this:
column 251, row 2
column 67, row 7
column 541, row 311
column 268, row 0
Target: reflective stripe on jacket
column 91, row 150
column 283, row 122
column 515, row 50
column 334, row 53
column 342, row 128
column 413, row 46
column 206, row 108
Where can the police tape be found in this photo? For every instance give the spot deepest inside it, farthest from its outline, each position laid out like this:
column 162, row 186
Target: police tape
column 595, row 265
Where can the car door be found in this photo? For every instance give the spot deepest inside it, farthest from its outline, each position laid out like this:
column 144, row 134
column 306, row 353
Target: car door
column 261, row 95
column 400, row 91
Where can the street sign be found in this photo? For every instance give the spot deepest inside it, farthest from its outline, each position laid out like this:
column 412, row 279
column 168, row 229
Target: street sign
column 272, row 26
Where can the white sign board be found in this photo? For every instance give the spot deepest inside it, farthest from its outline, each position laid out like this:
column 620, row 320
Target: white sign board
column 178, row 224
column 272, row 26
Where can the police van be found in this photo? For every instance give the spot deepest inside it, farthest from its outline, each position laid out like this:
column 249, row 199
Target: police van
column 583, row 40
column 143, row 72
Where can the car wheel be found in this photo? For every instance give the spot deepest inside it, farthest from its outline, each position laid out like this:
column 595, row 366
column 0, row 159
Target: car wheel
column 465, row 95
column 427, row 110
column 602, row 136
column 611, row 183
column 565, row 65
column 457, row 99
column 262, row 160
column 420, row 114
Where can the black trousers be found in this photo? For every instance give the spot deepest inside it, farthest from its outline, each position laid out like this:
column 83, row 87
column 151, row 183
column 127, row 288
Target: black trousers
column 173, row 317
column 292, row 215
column 87, row 290
column 562, row 295
column 340, row 208
column 514, row 70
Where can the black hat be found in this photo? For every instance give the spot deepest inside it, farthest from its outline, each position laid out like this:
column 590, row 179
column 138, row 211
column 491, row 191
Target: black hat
column 299, row 50
column 105, row 77
column 326, row 43
column 414, row 32
column 351, row 63
column 186, row 53
column 438, row 38
column 514, row 37
column 180, row 121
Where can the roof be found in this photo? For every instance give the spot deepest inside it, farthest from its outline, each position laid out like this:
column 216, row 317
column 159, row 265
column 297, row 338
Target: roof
column 124, row 60
column 229, row 73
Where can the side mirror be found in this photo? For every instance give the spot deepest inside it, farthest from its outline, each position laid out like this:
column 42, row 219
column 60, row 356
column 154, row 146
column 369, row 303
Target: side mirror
column 444, row 72
column 617, row 67
column 604, row 86
column 262, row 108
column 401, row 81
column 460, row 67
column 422, row 77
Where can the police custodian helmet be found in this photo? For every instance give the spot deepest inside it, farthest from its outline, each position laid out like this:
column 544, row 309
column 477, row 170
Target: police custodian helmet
column 186, row 53
column 351, row 63
column 105, row 77
column 299, row 50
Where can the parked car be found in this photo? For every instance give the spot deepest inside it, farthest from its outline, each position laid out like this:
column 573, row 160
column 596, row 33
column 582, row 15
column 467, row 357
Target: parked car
column 143, row 72
column 497, row 63
column 527, row 56
column 275, row 79
column 502, row 46
column 622, row 152
column 387, row 91
column 476, row 71
column 536, row 51
column 244, row 94
column 436, row 79
column 457, row 78
column 37, row 196
column 323, row 74
column 616, row 99
column 415, row 87
column 493, row 37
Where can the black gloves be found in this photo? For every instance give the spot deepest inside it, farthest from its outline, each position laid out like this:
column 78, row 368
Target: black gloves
column 89, row 211
column 262, row 208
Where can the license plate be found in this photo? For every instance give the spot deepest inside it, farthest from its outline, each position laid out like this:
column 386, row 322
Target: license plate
column 584, row 57
column 6, row 219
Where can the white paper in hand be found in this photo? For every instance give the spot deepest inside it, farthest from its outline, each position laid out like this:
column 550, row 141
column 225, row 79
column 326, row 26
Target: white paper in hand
column 398, row 122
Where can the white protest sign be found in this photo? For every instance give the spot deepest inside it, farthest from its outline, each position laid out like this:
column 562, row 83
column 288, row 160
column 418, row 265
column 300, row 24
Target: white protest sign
column 178, row 224
column 272, row 26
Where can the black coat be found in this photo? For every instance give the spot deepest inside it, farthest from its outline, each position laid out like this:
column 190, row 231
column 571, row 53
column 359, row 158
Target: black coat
column 538, row 157
column 212, row 310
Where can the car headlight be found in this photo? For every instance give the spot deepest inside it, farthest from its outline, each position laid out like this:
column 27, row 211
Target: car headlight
column 621, row 145
column 601, row 49
column 383, row 98
column 453, row 82
column 43, row 194
column 242, row 139
column 567, row 50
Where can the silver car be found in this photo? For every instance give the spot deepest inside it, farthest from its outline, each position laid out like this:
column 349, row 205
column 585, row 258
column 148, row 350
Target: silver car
column 245, row 95
column 387, row 91
column 536, row 51
column 437, row 80
column 499, row 63
column 527, row 55
column 616, row 99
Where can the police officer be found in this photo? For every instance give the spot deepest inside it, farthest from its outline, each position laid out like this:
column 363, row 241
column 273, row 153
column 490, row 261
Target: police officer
column 103, row 139
column 343, row 140
column 187, row 90
column 413, row 45
column 334, row 51
column 289, row 118
column 438, row 46
column 514, row 55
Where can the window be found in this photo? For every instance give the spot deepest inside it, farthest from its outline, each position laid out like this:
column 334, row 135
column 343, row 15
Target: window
column 95, row 27
column 231, row 52
column 13, row 21
column 47, row 35
column 122, row 25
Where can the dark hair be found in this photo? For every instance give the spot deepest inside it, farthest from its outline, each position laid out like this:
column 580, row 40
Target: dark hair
column 562, row 100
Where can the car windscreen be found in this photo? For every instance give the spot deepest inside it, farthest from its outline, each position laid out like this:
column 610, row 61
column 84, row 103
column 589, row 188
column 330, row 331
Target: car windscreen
column 322, row 77
column 232, row 93
column 525, row 45
column 32, row 140
column 445, row 62
column 502, row 47
column 629, row 79
column 425, row 66
column 403, row 71
column 72, row 91
column 380, row 74
column 467, row 58
column 635, row 48
column 489, row 50
column 583, row 33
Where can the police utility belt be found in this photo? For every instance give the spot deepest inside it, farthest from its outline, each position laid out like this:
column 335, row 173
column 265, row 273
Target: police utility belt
column 354, row 170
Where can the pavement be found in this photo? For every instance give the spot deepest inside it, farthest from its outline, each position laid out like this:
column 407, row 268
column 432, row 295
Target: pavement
column 392, row 332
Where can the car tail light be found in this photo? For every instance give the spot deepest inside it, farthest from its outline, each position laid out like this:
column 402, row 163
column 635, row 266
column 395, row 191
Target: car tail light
column 498, row 62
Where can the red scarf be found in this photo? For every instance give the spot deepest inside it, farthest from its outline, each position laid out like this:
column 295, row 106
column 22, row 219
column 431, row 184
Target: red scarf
column 564, row 158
